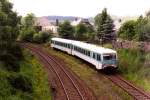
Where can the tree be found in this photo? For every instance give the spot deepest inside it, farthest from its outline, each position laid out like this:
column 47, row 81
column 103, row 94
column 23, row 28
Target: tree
column 144, row 32
column 66, row 30
column 28, row 28
column 10, row 52
column 81, row 31
column 105, row 27
column 29, row 20
column 143, row 28
column 128, row 30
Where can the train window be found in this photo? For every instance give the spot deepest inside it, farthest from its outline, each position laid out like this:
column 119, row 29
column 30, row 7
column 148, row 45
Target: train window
column 94, row 55
column 83, row 51
column 88, row 53
column 98, row 57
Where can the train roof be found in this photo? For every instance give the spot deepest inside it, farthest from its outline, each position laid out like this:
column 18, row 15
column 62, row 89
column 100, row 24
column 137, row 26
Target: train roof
column 62, row 40
column 87, row 46
column 94, row 48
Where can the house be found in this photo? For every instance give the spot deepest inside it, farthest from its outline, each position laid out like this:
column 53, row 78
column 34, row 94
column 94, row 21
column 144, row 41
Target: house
column 80, row 20
column 47, row 25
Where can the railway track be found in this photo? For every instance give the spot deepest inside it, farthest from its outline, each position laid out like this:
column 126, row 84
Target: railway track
column 132, row 90
column 72, row 89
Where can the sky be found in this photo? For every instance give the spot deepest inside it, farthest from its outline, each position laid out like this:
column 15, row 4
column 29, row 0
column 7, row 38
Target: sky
column 81, row 8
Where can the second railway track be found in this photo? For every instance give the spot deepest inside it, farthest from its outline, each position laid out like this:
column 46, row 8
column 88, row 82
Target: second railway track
column 73, row 90
column 132, row 90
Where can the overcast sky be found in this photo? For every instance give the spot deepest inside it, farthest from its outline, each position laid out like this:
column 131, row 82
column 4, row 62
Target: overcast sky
column 81, row 8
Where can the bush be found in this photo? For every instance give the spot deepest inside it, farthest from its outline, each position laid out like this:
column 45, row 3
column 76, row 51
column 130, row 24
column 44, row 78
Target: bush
column 130, row 61
column 42, row 37
column 21, row 82
column 45, row 36
column 17, row 51
column 10, row 61
column 27, row 34
column 36, row 38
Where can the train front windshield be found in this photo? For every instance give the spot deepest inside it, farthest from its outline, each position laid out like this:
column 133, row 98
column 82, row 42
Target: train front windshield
column 109, row 59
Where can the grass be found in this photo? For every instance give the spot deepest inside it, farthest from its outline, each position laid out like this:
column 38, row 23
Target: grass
column 101, row 86
column 32, row 69
column 133, row 66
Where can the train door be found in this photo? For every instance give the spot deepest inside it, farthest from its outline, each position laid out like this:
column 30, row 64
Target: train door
column 95, row 62
column 99, row 61
column 71, row 48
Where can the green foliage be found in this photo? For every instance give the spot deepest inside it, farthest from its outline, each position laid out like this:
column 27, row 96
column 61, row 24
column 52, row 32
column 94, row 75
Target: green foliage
column 66, row 30
column 28, row 30
column 81, row 31
column 143, row 29
column 136, row 30
column 128, row 30
column 27, row 34
column 36, row 38
column 132, row 66
column 129, row 60
column 30, row 34
column 105, row 27
column 84, row 31
column 45, row 36
column 91, row 36
column 30, row 83
column 42, row 37
column 29, row 20
column 34, row 70
column 9, row 30
column 21, row 82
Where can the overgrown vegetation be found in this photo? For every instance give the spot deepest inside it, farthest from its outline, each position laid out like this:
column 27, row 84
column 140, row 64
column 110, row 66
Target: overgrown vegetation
column 135, row 66
column 30, row 83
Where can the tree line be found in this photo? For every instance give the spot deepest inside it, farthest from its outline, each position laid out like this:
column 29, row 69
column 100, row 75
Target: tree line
column 138, row 30
column 102, row 32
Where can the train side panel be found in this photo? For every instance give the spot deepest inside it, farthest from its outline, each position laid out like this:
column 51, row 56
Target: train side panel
column 94, row 62
column 61, row 48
